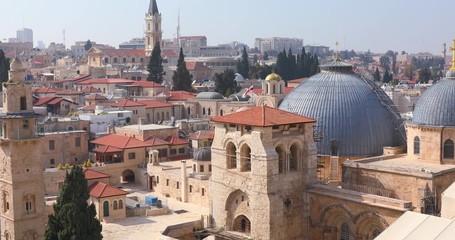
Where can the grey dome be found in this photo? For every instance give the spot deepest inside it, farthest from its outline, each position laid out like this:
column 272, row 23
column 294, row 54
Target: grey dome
column 209, row 95
column 202, row 154
column 347, row 108
column 436, row 106
column 239, row 97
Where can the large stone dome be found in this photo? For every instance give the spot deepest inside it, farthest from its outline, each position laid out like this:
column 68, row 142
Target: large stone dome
column 209, row 96
column 436, row 106
column 349, row 109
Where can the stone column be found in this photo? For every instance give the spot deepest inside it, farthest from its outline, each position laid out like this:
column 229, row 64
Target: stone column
column 184, row 181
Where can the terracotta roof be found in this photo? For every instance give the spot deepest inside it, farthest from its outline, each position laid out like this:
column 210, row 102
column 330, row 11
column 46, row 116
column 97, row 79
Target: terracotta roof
column 169, row 53
column 49, row 101
column 153, row 141
column 91, row 174
column 147, row 84
column 104, row 81
column 192, row 66
column 95, row 97
column 102, row 190
column 90, row 89
column 128, row 103
column 124, row 52
column 155, row 104
column 202, row 134
column 262, row 116
column 69, row 92
column 288, row 89
column 118, row 141
column 80, row 78
column 44, row 90
column 297, row 80
column 107, row 149
column 174, row 140
column 180, row 95
column 55, row 101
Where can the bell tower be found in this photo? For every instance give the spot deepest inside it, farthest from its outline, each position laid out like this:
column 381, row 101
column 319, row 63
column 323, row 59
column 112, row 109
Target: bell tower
column 153, row 33
column 21, row 172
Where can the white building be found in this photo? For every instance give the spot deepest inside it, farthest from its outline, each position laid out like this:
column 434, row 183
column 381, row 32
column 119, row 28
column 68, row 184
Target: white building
column 24, row 35
column 278, row 44
column 100, row 121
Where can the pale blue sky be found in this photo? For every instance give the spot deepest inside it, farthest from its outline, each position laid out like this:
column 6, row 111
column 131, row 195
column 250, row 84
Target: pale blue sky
column 410, row 25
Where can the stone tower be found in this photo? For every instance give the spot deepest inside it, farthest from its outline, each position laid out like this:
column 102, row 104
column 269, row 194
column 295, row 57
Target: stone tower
column 273, row 91
column 22, row 186
column 263, row 160
column 153, row 33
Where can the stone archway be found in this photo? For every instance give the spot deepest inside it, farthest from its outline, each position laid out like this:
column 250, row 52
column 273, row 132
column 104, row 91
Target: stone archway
column 128, row 176
column 242, row 224
column 237, row 204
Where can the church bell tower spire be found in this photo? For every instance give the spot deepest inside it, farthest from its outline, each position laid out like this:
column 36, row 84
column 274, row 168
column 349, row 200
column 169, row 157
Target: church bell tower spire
column 153, row 33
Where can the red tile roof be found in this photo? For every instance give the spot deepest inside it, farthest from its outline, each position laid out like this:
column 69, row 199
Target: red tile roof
column 49, row 101
column 174, row 140
column 180, row 95
column 44, row 90
column 102, row 190
column 153, row 141
column 202, row 134
column 124, row 52
column 128, row 103
column 91, row 174
column 107, row 149
column 55, row 101
column 90, row 89
column 155, row 104
column 105, row 81
column 69, row 92
column 192, row 66
column 118, row 141
column 288, row 89
column 95, row 97
column 169, row 53
column 262, row 116
column 147, row 84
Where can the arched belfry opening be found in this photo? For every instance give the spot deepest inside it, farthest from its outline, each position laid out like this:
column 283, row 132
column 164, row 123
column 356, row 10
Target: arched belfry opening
column 242, row 224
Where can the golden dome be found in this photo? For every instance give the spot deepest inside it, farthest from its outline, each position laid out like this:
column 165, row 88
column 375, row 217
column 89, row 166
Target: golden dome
column 273, row 77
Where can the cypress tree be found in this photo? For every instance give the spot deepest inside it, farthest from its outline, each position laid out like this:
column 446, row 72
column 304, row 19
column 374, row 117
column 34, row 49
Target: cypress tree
column 243, row 66
column 73, row 218
column 377, row 75
column 182, row 77
column 225, row 84
column 155, row 66
column 4, row 68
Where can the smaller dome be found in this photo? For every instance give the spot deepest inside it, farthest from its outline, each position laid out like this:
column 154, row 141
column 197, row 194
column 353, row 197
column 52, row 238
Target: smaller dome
column 239, row 78
column 209, row 95
column 202, row 154
column 273, row 77
column 16, row 65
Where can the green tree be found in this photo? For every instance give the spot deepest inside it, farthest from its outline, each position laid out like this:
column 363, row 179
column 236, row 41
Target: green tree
column 4, row 68
column 73, row 218
column 243, row 66
column 225, row 84
column 424, row 75
column 377, row 75
column 385, row 62
column 87, row 45
column 182, row 77
column 387, row 77
column 155, row 66
column 261, row 71
column 409, row 71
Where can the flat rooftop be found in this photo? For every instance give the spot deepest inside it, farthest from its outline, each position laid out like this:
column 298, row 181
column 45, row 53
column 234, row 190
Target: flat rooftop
column 402, row 164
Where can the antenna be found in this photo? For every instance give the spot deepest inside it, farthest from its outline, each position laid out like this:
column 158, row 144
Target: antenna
column 64, row 38
column 178, row 27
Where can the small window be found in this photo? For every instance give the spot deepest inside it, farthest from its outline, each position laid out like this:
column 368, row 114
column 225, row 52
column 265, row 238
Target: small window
column 181, row 150
column 201, row 168
column 191, row 188
column 106, row 60
column 167, row 182
column 25, row 124
column 23, row 103
column 157, row 179
column 115, row 60
column 77, row 142
column 51, row 145
column 203, row 192
column 120, row 115
column 344, row 231
column 173, row 151
column 120, row 204
column 416, row 145
column 52, row 161
column 115, row 205
column 124, row 60
column 132, row 155
column 178, row 185
column 448, row 149
column 210, row 167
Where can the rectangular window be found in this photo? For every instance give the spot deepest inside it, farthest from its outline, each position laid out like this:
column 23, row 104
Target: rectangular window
column 52, row 161
column 173, row 151
column 201, row 168
column 120, row 115
column 132, row 155
column 210, row 167
column 203, row 192
column 181, row 150
column 162, row 152
column 157, row 179
column 191, row 188
column 124, row 60
column 178, row 185
column 51, row 145
column 133, row 60
column 23, row 103
column 167, row 182
column 106, row 60
column 115, row 60
column 78, row 141
column 25, row 124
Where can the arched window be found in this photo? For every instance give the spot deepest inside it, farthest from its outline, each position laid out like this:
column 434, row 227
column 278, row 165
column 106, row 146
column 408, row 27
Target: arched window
column 120, row 204
column 188, row 111
column 115, row 205
column 245, row 158
column 106, row 209
column 221, row 112
column 344, row 231
column 416, row 145
column 231, row 159
column 209, row 111
column 281, row 158
column 293, row 158
column 7, row 235
column 203, row 111
column 448, row 149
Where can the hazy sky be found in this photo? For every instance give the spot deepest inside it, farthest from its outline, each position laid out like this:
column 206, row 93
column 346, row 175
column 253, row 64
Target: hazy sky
column 410, row 25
